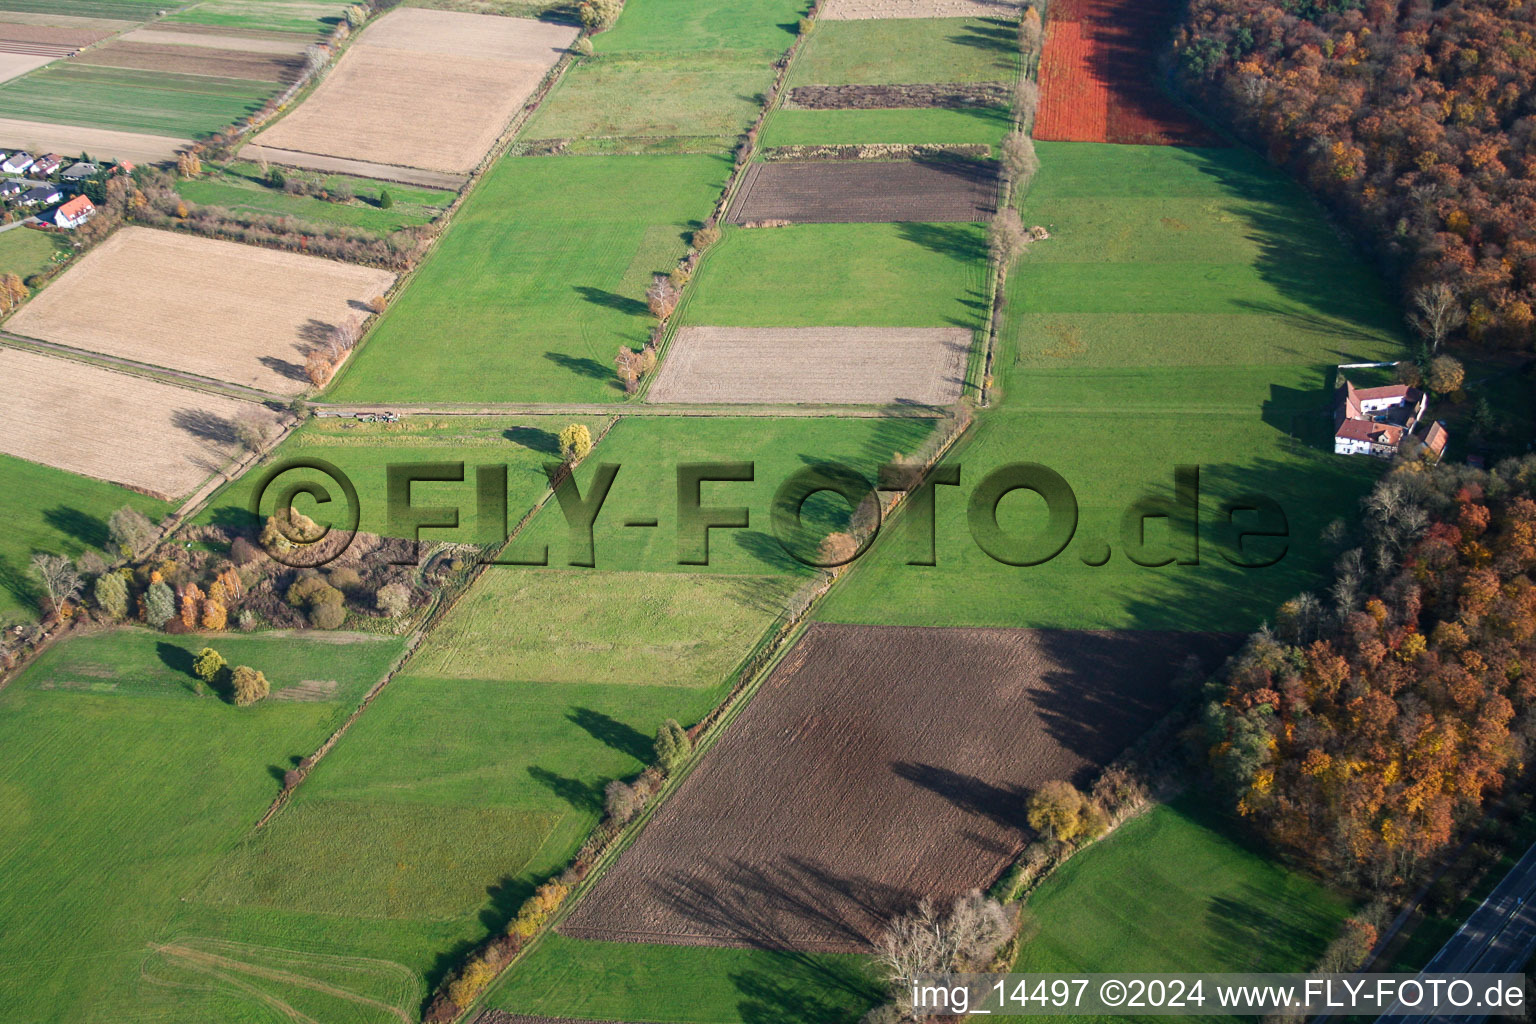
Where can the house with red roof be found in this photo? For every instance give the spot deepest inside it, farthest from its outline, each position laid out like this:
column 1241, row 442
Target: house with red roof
column 74, row 213
column 1377, row 421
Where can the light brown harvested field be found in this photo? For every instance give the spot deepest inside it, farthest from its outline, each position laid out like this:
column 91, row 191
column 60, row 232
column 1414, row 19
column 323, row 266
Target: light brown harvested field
column 39, row 136
column 855, row 10
column 13, row 64
column 196, row 60
column 155, row 437
column 285, row 43
column 869, row 191
column 424, row 88
column 107, row 25
column 877, row 765
column 834, row 365
column 233, row 312
column 58, row 35
column 356, row 168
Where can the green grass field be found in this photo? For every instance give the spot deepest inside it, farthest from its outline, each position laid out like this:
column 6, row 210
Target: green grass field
column 364, row 452
column 24, row 252
column 238, row 188
column 126, row 10
column 905, row 51
column 856, row 275
column 539, row 281
column 617, row 980
column 684, row 26
column 1129, row 347
column 49, row 510
column 141, row 788
column 984, row 125
column 262, row 15
column 613, row 103
column 156, row 102
column 1174, row 891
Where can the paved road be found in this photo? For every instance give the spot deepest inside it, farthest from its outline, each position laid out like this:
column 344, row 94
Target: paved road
column 1499, row 937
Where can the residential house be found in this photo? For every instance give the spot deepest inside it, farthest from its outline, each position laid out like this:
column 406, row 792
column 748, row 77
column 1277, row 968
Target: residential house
column 15, row 187
column 16, row 163
column 79, row 171
column 74, row 213
column 43, row 195
column 1377, row 421
column 45, row 165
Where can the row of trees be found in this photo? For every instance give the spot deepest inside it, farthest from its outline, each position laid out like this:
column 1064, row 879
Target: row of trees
column 1414, row 119
column 1371, row 722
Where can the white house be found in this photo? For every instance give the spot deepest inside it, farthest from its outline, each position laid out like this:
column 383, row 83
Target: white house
column 16, row 163
column 74, row 213
column 1376, row 421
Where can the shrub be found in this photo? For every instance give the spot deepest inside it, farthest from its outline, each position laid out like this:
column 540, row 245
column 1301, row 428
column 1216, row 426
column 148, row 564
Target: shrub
column 209, row 666
column 472, row 980
column 597, row 15
column 672, row 746
column 344, row 578
column 393, row 599
column 386, row 201
column 249, row 685
column 215, row 614
column 112, row 595
column 1058, row 811
column 247, row 621
column 621, row 802
column 1445, row 375
column 584, row 47
column 378, row 303
column 159, row 604
column 705, row 237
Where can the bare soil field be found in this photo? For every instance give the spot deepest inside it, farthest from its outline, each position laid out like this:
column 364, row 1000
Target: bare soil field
column 424, row 88
column 196, row 60
column 13, row 64
column 55, row 35
column 842, row 192
column 217, row 39
column 856, row 10
column 154, row 437
column 233, row 312
column 100, row 27
column 42, row 137
column 832, row 365
column 895, row 97
column 877, row 765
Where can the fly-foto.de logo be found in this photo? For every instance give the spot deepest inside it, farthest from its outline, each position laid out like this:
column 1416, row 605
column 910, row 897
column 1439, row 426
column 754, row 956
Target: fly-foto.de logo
column 1178, row 527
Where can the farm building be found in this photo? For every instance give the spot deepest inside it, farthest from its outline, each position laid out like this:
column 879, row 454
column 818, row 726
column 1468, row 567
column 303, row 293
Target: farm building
column 1376, row 421
column 46, row 165
column 74, row 213
column 79, row 171
column 16, row 163
column 43, row 195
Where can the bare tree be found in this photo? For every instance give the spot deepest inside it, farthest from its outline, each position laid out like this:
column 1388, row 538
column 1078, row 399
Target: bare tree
column 1437, row 313
column 926, row 940
column 61, row 580
column 1019, row 160
column 1006, row 237
column 254, row 429
column 1026, row 98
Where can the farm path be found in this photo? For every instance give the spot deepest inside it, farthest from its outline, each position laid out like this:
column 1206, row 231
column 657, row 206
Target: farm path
column 607, row 409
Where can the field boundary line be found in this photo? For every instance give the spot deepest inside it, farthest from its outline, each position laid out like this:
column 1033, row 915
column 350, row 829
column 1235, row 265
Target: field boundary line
column 753, row 409
column 163, row 374
column 435, row 614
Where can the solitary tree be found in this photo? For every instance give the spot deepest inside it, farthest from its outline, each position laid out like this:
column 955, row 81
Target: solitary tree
column 61, row 580
column 1436, row 313
column 575, row 443
column 672, row 746
column 386, row 201
column 249, row 685
column 209, row 667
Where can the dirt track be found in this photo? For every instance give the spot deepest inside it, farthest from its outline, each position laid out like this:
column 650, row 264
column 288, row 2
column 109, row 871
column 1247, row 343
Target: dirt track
column 876, row 765
column 425, row 89
column 159, row 438
column 232, row 312
column 855, row 10
column 855, row 365
column 841, row 192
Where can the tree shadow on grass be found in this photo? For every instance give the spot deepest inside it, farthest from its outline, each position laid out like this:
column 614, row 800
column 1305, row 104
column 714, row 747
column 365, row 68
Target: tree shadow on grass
column 613, row 733
column 19, row 584
column 612, row 300
column 959, row 242
column 584, row 365
column 545, row 442
column 87, row 529
column 584, row 796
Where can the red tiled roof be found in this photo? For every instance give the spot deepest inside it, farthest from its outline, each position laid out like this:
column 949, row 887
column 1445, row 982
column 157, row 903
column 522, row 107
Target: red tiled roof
column 1436, row 437
column 77, row 206
column 1367, row 430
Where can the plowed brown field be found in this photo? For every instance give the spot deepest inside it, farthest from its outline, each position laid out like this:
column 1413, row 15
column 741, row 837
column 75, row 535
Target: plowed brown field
column 877, row 765
column 155, row 437
column 424, row 88
column 850, row 191
column 233, row 312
